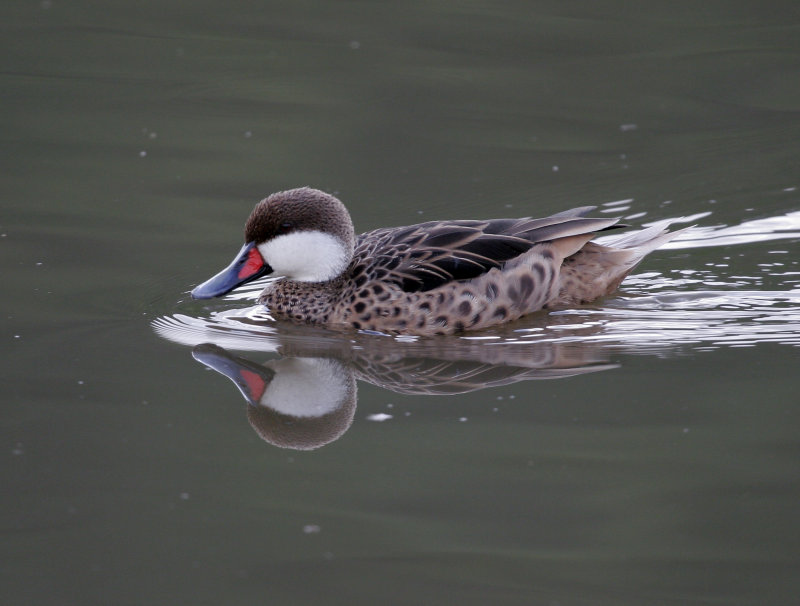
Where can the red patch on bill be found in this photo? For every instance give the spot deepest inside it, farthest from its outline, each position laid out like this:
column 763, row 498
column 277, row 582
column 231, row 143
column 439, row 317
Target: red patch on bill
column 255, row 384
column 253, row 264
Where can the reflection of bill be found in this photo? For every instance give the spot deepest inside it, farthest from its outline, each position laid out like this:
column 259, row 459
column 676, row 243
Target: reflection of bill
column 305, row 402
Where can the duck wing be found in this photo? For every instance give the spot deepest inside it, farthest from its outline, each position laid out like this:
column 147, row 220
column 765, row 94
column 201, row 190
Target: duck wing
column 428, row 255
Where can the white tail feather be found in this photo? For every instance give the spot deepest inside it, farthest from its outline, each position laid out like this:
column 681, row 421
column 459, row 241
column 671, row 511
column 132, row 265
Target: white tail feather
column 597, row 269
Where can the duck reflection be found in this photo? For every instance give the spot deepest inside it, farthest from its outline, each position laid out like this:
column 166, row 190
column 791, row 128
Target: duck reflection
column 307, row 398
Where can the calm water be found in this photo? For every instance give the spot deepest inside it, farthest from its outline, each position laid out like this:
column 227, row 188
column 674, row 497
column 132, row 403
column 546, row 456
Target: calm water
column 642, row 450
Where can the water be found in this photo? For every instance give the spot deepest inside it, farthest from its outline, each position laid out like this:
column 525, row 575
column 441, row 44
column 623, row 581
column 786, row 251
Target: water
column 640, row 450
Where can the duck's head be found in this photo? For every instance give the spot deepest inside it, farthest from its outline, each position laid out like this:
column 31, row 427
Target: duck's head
column 302, row 234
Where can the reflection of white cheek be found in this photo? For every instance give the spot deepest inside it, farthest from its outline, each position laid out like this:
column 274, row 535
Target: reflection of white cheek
column 307, row 256
column 305, row 387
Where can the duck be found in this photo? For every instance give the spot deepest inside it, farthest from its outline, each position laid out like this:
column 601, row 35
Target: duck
column 431, row 278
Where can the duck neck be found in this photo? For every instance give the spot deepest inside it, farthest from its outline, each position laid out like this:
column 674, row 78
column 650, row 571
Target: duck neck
column 302, row 301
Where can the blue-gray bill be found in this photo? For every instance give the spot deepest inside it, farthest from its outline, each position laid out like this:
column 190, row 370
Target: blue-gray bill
column 247, row 266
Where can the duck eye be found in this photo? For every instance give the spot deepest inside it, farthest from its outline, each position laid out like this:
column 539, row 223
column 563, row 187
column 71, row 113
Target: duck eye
column 285, row 226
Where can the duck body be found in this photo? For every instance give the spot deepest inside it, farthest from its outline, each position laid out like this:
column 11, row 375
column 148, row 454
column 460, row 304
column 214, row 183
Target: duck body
column 439, row 277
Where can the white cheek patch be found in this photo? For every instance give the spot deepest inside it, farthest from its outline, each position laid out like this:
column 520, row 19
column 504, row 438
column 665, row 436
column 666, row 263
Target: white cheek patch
column 306, row 387
column 307, row 256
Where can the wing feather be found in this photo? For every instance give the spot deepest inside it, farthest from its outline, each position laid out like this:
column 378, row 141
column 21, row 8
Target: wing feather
column 428, row 255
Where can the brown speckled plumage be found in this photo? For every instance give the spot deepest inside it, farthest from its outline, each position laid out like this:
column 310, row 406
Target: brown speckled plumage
column 444, row 277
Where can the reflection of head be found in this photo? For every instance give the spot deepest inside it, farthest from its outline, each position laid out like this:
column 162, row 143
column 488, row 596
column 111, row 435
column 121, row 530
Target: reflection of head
column 309, row 403
column 300, row 403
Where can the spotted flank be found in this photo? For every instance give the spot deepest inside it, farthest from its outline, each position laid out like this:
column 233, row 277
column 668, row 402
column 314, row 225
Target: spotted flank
column 434, row 278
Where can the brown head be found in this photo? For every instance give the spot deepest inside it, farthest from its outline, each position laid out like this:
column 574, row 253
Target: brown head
column 302, row 234
column 301, row 209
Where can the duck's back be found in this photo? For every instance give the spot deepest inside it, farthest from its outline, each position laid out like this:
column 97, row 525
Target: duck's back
column 448, row 276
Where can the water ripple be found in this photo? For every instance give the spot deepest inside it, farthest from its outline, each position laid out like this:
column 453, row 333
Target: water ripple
column 765, row 229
